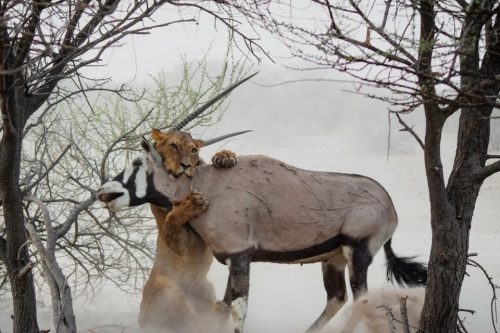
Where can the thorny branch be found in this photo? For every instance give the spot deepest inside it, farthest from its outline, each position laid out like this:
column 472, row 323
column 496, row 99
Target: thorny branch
column 410, row 130
column 494, row 288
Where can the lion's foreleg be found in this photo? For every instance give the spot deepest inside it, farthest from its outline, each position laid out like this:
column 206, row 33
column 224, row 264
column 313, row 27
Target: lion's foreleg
column 172, row 230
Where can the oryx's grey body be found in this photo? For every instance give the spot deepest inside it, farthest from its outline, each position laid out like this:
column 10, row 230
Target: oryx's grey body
column 283, row 213
column 265, row 210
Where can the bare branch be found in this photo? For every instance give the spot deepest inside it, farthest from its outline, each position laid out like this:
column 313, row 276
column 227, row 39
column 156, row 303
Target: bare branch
column 43, row 175
column 47, row 220
column 3, row 249
column 404, row 314
column 25, row 269
column 486, row 171
column 84, row 205
column 410, row 130
column 383, row 34
column 492, row 156
column 494, row 287
column 390, row 317
column 461, row 327
column 29, row 32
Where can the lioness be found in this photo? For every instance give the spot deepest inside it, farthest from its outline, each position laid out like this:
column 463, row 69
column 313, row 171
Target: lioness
column 177, row 294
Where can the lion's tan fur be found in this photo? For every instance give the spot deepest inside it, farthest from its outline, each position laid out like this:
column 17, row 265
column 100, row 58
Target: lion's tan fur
column 177, row 294
column 179, row 150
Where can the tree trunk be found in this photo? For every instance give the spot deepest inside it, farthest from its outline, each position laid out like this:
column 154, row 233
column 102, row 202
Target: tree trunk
column 16, row 250
column 21, row 280
column 451, row 221
column 446, row 271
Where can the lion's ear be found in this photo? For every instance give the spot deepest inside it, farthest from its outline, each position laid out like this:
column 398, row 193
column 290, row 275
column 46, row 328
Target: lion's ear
column 199, row 143
column 157, row 135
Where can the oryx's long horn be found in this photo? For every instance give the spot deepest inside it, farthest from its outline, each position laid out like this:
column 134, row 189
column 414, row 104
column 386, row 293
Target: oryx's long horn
column 208, row 104
column 223, row 137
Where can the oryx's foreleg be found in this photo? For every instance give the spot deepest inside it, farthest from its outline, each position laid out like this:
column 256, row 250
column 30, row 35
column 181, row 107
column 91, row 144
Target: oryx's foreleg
column 335, row 286
column 239, row 282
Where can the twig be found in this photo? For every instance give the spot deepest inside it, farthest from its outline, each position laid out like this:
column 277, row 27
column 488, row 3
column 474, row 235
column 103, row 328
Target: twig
column 461, row 327
column 467, row 310
column 3, row 249
column 42, row 176
column 26, row 268
column 404, row 314
column 494, row 287
column 390, row 316
column 492, row 156
column 410, row 130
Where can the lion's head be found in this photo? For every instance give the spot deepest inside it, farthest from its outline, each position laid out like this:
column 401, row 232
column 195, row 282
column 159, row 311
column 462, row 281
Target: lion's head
column 178, row 149
column 180, row 152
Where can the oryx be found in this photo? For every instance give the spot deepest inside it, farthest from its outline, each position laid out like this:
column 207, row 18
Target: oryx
column 265, row 210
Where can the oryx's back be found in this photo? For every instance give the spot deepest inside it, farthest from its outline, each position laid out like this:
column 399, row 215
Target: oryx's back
column 283, row 208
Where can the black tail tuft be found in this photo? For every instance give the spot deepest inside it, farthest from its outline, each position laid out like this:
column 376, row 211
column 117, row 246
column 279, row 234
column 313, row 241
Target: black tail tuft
column 403, row 270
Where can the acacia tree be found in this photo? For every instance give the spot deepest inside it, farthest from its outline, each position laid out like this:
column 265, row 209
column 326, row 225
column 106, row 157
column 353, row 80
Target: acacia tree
column 71, row 162
column 441, row 57
column 41, row 43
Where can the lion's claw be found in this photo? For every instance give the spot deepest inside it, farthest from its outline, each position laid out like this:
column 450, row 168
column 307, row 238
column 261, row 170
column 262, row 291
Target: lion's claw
column 197, row 201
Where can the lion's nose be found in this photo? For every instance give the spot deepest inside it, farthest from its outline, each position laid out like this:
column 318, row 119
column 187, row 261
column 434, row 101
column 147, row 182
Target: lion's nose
column 185, row 166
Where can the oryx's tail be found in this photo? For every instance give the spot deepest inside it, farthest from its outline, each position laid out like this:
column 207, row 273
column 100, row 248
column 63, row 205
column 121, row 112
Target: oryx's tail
column 403, row 269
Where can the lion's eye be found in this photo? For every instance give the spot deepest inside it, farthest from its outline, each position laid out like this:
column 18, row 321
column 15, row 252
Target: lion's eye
column 173, row 145
column 194, row 150
column 137, row 163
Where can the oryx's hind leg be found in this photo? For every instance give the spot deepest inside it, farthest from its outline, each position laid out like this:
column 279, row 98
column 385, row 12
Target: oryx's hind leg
column 237, row 291
column 334, row 281
column 359, row 259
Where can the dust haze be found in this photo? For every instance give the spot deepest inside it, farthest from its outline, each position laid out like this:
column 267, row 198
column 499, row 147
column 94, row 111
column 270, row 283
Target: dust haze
column 319, row 125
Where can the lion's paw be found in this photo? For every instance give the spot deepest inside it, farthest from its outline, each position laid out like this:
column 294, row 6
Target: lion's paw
column 224, row 159
column 195, row 203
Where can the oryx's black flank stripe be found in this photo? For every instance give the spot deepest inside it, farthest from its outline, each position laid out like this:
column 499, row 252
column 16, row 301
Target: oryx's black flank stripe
column 302, row 254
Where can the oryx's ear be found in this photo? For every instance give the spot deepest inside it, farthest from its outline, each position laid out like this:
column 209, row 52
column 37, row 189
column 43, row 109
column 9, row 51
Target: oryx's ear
column 151, row 151
column 145, row 144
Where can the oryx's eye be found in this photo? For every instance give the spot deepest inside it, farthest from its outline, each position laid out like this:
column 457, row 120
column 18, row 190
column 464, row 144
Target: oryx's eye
column 137, row 163
column 173, row 145
column 194, row 151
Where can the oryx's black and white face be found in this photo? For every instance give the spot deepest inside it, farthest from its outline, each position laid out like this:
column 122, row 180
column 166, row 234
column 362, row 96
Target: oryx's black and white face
column 137, row 184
